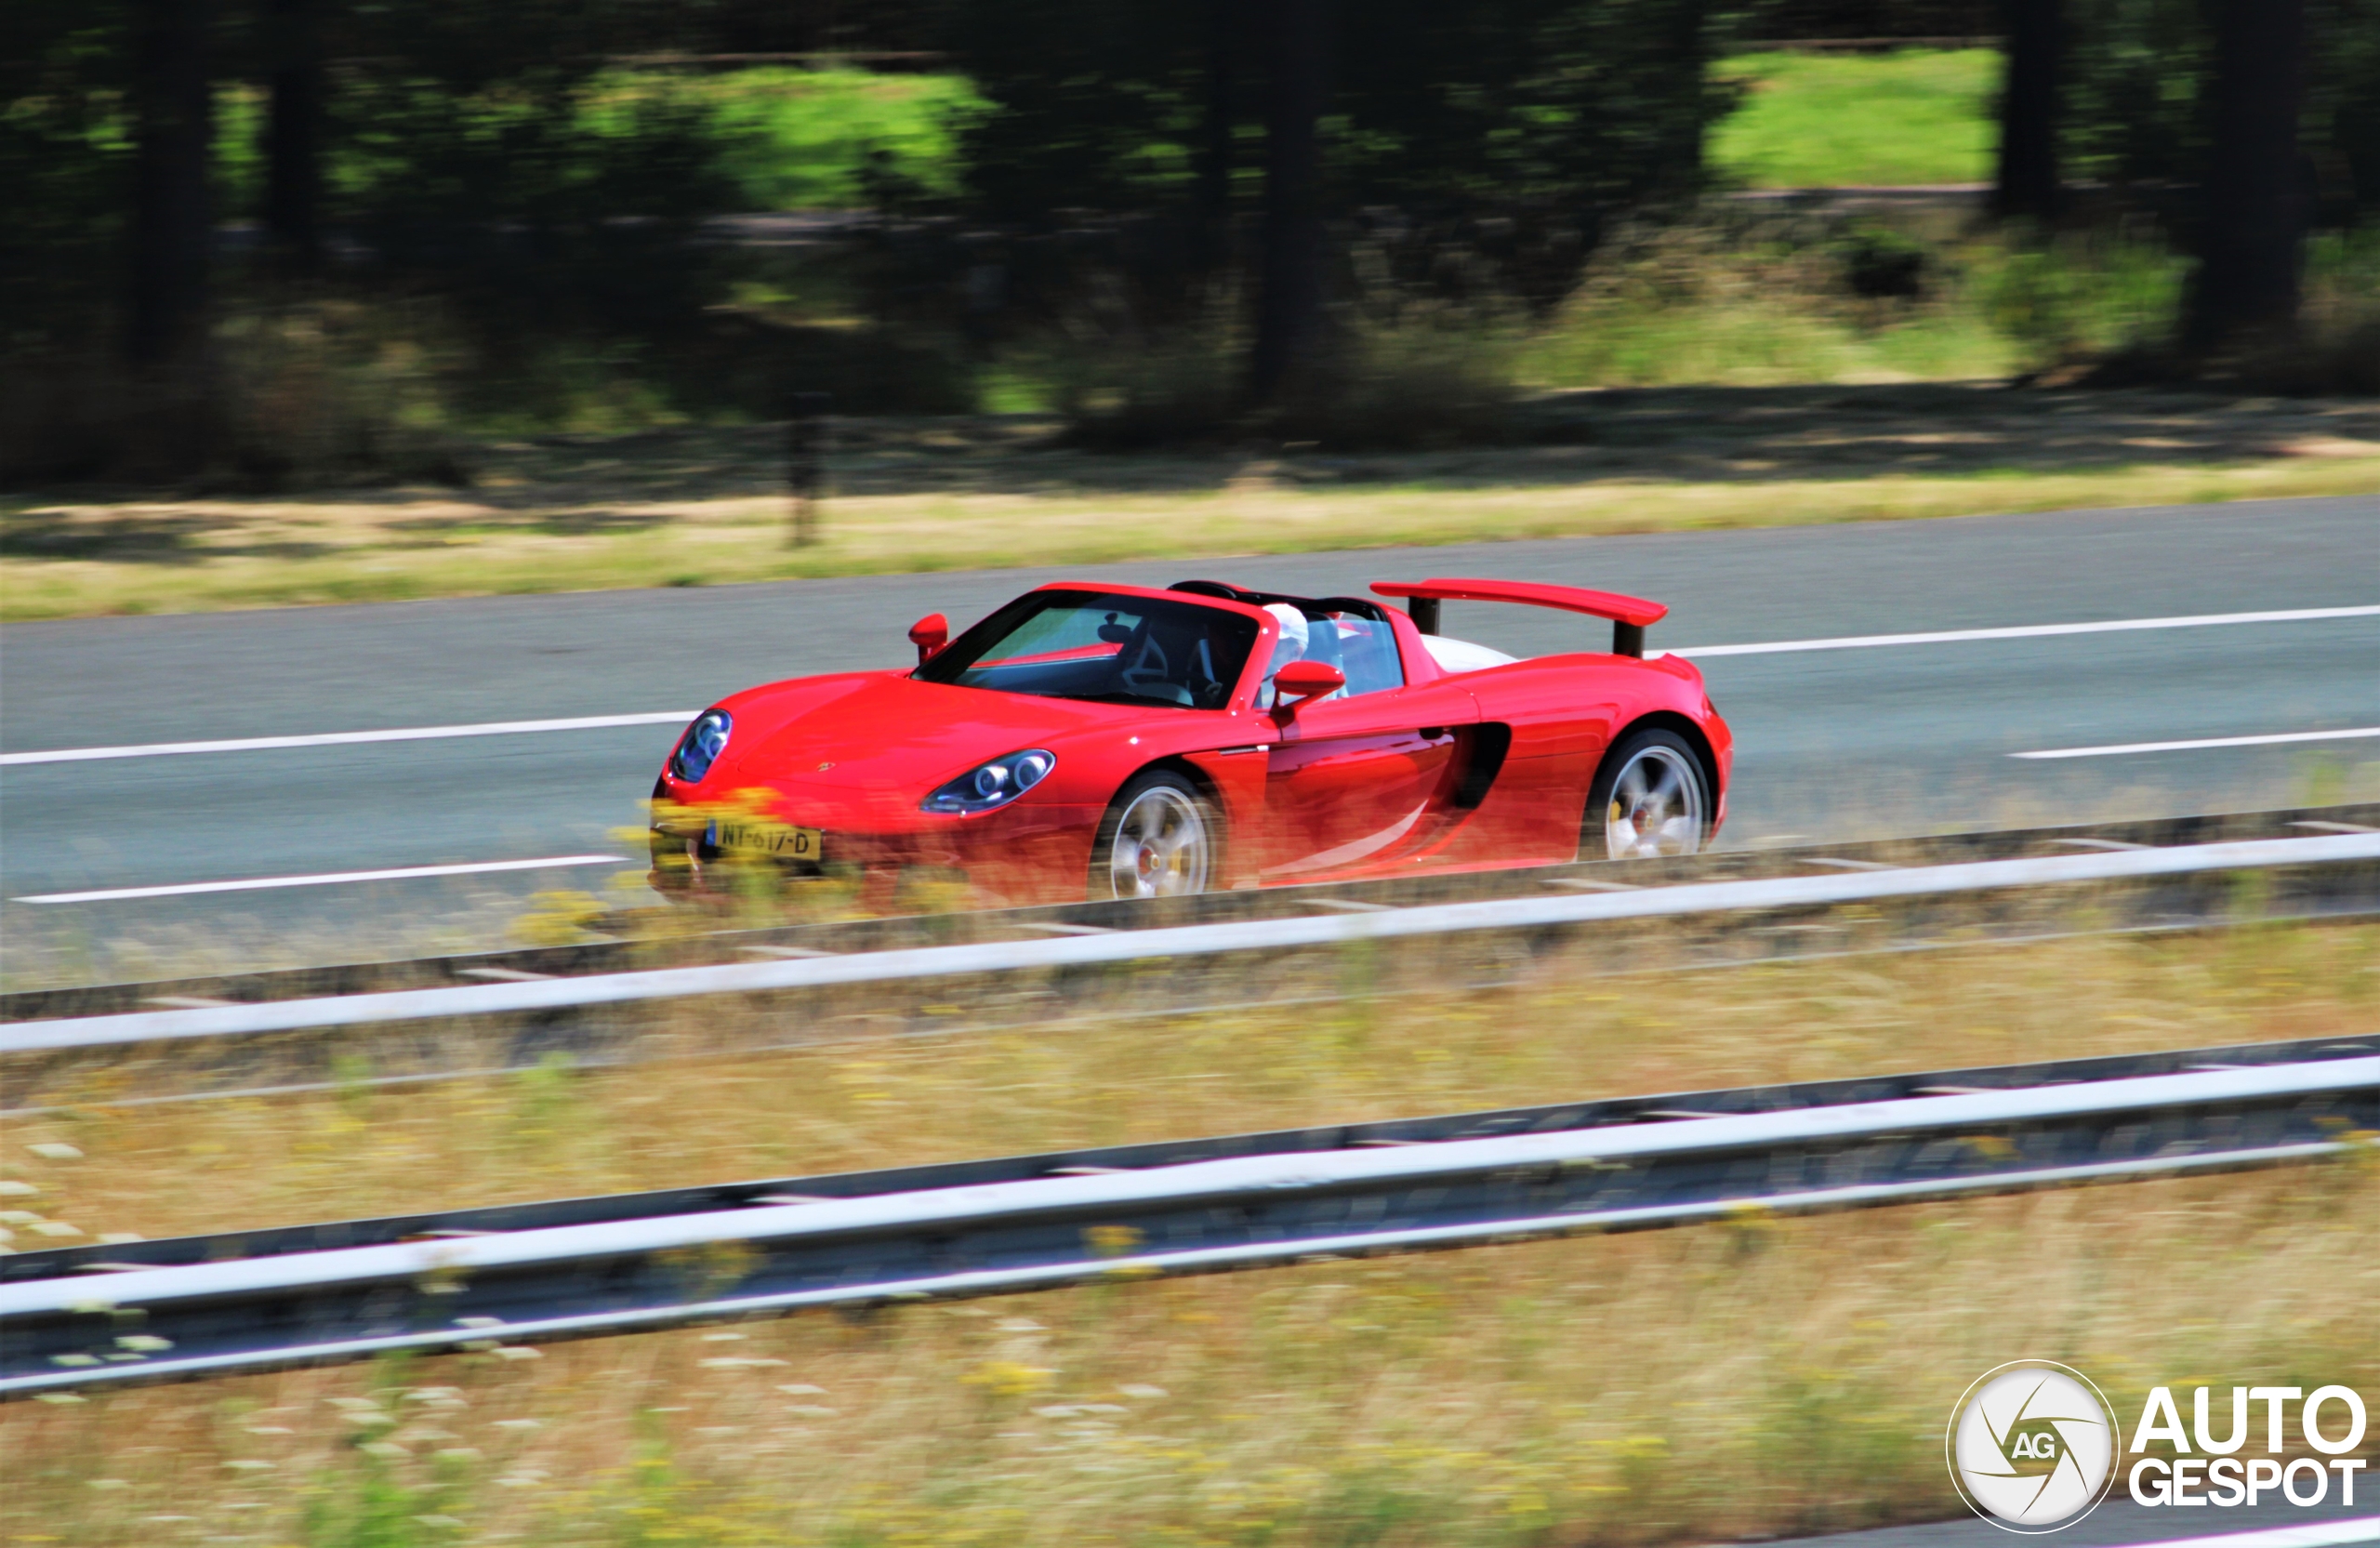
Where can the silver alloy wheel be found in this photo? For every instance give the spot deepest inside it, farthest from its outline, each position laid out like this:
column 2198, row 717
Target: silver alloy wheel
column 1655, row 807
column 1160, row 847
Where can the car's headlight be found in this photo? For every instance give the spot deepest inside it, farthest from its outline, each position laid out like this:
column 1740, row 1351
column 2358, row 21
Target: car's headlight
column 701, row 746
column 994, row 784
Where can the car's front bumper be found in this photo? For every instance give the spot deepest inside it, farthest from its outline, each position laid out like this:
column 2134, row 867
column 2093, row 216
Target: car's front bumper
column 1026, row 853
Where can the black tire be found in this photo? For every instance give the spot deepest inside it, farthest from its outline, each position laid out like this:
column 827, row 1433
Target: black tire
column 1651, row 798
column 1162, row 832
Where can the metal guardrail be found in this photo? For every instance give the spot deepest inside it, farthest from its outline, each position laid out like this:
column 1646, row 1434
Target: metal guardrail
column 675, row 948
column 780, row 1252
column 1123, row 946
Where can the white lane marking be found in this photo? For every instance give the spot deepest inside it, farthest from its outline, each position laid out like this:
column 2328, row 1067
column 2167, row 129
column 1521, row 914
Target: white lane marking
column 598, row 722
column 344, row 738
column 185, row 889
column 2274, row 740
column 2314, row 1534
column 2028, row 632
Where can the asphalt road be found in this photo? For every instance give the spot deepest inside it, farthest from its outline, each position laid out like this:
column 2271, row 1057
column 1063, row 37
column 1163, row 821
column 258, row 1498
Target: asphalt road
column 1844, row 742
column 2122, row 1524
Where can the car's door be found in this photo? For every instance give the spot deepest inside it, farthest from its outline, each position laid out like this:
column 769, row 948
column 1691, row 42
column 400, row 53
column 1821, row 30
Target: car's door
column 1355, row 780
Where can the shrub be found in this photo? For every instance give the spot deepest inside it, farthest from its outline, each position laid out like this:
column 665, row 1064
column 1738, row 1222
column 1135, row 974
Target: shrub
column 316, row 393
column 1421, row 383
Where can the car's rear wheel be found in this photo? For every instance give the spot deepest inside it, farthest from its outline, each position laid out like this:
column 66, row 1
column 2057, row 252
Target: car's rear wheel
column 1159, row 838
column 1649, row 798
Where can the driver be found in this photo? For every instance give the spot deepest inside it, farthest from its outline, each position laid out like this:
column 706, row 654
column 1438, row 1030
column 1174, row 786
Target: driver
column 1291, row 647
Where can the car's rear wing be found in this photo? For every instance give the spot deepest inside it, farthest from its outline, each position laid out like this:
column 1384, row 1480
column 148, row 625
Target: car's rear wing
column 1630, row 615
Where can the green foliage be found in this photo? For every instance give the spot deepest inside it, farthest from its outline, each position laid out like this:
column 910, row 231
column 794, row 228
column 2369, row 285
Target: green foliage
column 1771, row 303
column 1766, row 302
column 64, row 161
column 2081, row 294
column 1089, row 107
column 2136, row 75
column 2343, row 106
column 1835, row 120
column 1504, row 130
column 799, row 139
column 1503, row 108
column 519, row 198
column 1431, row 379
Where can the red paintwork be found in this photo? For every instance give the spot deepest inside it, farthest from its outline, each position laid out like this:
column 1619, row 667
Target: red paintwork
column 1326, row 789
column 1570, row 598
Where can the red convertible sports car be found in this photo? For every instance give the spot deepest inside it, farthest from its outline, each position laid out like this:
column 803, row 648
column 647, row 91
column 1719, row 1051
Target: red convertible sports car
column 1136, row 743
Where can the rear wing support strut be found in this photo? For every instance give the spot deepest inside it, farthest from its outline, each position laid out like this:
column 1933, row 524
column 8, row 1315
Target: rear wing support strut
column 1630, row 615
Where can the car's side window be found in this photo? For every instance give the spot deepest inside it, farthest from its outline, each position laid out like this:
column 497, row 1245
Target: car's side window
column 1363, row 649
column 1367, row 652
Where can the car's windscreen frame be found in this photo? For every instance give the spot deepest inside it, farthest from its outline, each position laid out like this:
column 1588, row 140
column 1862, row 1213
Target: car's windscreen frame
column 1230, row 639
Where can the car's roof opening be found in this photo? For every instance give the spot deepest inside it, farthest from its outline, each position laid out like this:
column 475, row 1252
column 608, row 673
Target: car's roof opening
column 1361, row 607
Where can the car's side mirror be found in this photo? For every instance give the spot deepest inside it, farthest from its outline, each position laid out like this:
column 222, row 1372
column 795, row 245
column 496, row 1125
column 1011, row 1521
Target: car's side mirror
column 1301, row 680
column 929, row 634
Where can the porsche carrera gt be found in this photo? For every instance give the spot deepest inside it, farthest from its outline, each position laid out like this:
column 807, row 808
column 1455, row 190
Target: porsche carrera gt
column 1122, row 742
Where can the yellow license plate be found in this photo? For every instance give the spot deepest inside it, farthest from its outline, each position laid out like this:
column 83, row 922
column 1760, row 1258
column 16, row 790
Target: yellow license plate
column 773, row 840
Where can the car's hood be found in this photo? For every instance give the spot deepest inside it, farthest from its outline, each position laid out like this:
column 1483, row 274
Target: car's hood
column 887, row 731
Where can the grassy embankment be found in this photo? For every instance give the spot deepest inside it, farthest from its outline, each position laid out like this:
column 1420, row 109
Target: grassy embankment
column 705, row 506
column 1761, row 1377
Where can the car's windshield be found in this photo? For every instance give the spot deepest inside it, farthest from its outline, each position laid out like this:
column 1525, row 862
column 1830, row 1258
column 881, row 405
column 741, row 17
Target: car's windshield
column 1091, row 645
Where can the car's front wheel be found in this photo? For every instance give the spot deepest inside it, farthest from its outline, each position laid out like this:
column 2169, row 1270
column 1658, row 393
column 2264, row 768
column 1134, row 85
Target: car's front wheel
column 1159, row 838
column 1649, row 798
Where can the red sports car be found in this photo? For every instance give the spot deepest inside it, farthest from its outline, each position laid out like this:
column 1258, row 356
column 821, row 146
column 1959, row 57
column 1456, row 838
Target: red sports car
column 1138, row 743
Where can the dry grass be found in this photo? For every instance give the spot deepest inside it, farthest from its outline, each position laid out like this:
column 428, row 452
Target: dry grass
column 859, row 1105
column 705, row 506
column 1763, row 1377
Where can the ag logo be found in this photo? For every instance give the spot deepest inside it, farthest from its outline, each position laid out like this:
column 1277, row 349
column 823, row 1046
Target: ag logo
column 2031, row 1446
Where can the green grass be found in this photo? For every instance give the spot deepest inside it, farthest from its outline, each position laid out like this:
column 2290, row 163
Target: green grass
column 799, row 139
column 1828, row 120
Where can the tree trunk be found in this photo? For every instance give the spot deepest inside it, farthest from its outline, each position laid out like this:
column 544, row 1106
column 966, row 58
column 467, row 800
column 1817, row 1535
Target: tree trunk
column 1212, row 209
column 172, row 226
column 2256, row 190
column 2027, row 187
column 294, row 134
column 1689, row 55
column 1289, row 333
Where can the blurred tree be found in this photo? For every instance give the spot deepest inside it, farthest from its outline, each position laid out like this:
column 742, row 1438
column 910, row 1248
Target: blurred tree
column 294, row 132
column 2026, row 184
column 1480, row 146
column 2133, row 78
column 1289, row 319
column 1227, row 20
column 2342, row 120
column 1875, row 18
column 173, row 225
column 2258, row 187
column 64, row 69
